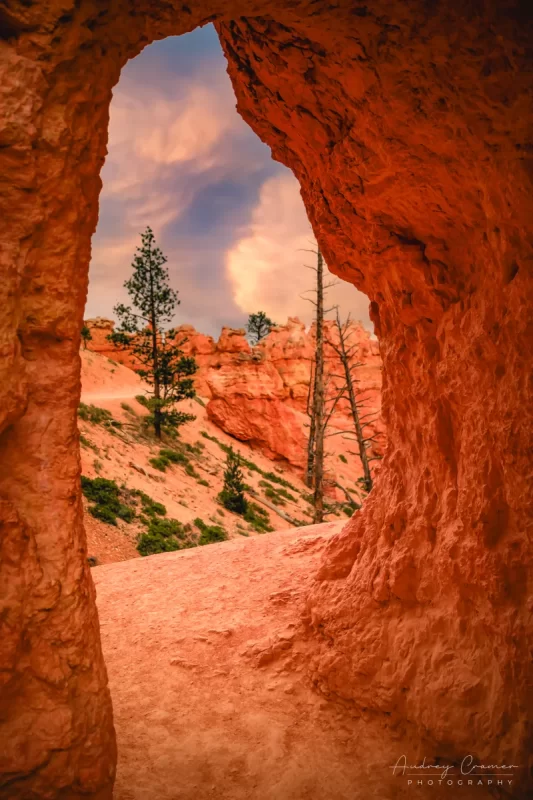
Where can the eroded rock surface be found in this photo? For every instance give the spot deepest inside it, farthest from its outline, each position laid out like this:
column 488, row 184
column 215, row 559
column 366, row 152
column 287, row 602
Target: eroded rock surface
column 260, row 395
column 408, row 126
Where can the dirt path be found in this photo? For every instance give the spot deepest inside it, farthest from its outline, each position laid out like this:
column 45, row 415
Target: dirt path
column 208, row 679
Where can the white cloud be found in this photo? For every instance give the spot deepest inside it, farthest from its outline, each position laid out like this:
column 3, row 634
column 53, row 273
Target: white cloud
column 266, row 267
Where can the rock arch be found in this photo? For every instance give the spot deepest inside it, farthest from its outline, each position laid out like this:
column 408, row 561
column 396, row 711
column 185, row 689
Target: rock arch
column 407, row 126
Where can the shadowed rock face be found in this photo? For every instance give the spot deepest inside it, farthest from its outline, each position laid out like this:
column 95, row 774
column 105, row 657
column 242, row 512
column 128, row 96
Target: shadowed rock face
column 407, row 126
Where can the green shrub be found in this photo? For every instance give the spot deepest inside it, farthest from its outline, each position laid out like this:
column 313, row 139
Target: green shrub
column 98, row 416
column 196, row 449
column 163, row 536
column 174, row 456
column 126, row 407
column 189, row 469
column 203, row 482
column 350, row 509
column 258, row 518
column 160, row 462
column 343, row 458
column 271, row 476
column 277, row 494
column 210, row 533
column 88, row 444
column 151, row 543
column 271, row 493
column 151, row 507
column 106, row 497
column 142, row 400
column 104, row 513
column 166, row 528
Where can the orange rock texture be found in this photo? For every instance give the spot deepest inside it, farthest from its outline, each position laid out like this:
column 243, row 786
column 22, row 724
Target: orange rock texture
column 408, row 126
column 260, row 395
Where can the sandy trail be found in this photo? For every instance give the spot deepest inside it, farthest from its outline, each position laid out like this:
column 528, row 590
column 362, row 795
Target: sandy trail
column 207, row 667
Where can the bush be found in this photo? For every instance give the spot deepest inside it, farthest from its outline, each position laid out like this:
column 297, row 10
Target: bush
column 189, row 469
column 174, row 456
column 271, row 493
column 160, row 462
column 210, row 533
column 105, row 494
column 151, row 507
column 162, row 537
column 350, row 509
column 277, row 495
column 343, row 458
column 98, row 416
column 126, row 407
column 152, row 543
column 258, row 518
column 104, row 513
column 87, row 443
column 203, row 482
column 166, row 528
column 271, row 476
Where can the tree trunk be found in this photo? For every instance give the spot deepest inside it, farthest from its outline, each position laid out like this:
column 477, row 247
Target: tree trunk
column 312, row 428
column 367, row 475
column 155, row 354
column 318, row 399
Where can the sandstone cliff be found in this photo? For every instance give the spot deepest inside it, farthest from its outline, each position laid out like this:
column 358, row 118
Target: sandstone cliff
column 260, row 395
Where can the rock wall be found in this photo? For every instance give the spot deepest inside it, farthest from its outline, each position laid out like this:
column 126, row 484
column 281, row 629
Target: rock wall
column 260, row 395
column 408, row 126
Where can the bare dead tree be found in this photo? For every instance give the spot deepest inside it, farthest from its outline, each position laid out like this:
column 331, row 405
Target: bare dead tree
column 345, row 353
column 317, row 399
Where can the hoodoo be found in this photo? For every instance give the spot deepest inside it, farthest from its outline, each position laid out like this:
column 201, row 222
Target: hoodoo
column 408, row 126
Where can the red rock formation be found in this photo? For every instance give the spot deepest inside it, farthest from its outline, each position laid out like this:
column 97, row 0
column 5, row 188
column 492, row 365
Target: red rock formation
column 100, row 329
column 407, row 125
column 260, row 395
column 262, row 398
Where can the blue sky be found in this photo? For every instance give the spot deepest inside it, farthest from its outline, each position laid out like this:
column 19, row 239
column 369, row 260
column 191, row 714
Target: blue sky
column 229, row 218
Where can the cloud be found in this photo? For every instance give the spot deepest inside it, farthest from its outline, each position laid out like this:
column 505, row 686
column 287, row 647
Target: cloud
column 229, row 219
column 267, row 266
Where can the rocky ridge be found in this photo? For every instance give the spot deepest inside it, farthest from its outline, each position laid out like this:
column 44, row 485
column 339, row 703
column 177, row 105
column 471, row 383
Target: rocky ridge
column 259, row 395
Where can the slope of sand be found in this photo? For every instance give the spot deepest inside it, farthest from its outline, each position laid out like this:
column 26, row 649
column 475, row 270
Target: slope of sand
column 123, row 456
column 207, row 660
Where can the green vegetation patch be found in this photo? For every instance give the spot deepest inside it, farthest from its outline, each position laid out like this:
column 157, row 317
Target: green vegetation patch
column 271, row 476
column 209, row 534
column 85, row 442
column 163, row 536
column 276, row 494
column 98, row 416
column 106, row 497
column 258, row 518
column 343, row 458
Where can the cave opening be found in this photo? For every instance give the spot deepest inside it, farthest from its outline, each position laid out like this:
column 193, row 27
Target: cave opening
column 232, row 225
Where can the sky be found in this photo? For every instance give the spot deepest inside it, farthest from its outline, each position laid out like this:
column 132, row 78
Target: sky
column 229, row 219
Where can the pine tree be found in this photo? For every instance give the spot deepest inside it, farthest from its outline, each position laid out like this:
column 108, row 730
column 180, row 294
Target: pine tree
column 163, row 364
column 232, row 494
column 86, row 335
column 258, row 326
